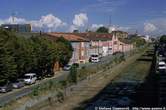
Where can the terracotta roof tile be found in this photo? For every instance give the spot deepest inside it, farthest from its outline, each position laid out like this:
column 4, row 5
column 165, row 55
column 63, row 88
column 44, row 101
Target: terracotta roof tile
column 83, row 36
column 68, row 36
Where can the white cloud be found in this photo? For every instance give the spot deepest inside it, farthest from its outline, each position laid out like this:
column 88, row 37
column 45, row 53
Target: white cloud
column 80, row 19
column 96, row 26
column 149, row 27
column 46, row 23
column 121, row 28
column 72, row 28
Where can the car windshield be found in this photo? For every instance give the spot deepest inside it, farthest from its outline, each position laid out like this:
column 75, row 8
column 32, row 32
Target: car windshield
column 94, row 55
column 26, row 77
column 67, row 66
column 162, row 65
column 16, row 81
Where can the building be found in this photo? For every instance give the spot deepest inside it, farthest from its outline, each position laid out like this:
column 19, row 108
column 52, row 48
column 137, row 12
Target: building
column 120, row 34
column 17, row 27
column 80, row 46
column 86, row 44
column 99, row 43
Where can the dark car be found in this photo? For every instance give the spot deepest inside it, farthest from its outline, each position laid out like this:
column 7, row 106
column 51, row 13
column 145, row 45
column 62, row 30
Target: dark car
column 6, row 87
column 18, row 84
column 66, row 67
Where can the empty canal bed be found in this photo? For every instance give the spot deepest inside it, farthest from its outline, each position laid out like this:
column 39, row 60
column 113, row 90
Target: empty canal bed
column 124, row 89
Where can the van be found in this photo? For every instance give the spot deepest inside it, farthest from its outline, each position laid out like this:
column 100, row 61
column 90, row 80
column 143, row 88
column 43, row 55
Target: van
column 94, row 58
column 30, row 78
column 161, row 66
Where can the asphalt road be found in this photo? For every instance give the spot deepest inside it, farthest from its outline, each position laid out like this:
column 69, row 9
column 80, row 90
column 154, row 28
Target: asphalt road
column 15, row 94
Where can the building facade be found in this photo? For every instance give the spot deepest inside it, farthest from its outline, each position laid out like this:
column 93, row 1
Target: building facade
column 79, row 44
column 86, row 44
column 17, row 27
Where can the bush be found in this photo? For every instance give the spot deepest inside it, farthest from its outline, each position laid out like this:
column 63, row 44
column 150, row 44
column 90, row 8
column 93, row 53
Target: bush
column 72, row 77
column 35, row 91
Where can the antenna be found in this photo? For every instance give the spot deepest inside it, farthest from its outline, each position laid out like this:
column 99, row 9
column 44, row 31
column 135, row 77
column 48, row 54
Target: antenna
column 136, row 32
column 110, row 21
column 13, row 17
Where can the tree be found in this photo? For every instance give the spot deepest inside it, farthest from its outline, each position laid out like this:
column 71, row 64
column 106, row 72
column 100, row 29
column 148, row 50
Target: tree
column 163, row 39
column 8, row 66
column 75, row 31
column 72, row 77
column 137, row 40
column 102, row 30
column 19, row 55
column 65, row 50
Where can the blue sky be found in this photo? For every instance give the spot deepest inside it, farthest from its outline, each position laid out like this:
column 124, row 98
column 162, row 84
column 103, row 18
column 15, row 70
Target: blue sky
column 145, row 16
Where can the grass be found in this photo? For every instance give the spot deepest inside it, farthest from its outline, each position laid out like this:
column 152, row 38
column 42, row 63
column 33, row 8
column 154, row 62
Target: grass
column 137, row 71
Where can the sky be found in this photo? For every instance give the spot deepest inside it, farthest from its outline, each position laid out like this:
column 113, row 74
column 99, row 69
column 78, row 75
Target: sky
column 143, row 16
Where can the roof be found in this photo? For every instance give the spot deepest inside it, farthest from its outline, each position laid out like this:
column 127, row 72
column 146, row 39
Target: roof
column 96, row 36
column 68, row 36
column 126, row 41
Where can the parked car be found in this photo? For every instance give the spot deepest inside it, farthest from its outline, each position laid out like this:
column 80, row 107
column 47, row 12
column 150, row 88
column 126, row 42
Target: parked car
column 161, row 66
column 51, row 74
column 94, row 58
column 66, row 67
column 18, row 84
column 6, row 87
column 30, row 78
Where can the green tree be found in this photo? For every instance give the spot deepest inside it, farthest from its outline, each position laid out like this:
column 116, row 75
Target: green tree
column 8, row 66
column 102, row 30
column 137, row 40
column 73, row 74
column 163, row 39
column 65, row 51
column 19, row 54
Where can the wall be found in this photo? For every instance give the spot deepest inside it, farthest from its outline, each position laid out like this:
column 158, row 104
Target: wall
column 80, row 52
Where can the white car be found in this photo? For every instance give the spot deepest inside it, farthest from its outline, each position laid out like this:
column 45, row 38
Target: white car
column 95, row 58
column 161, row 66
column 30, row 78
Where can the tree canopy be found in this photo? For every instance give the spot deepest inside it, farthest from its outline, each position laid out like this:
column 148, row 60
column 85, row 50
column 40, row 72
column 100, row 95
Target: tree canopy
column 19, row 55
column 102, row 30
column 163, row 39
column 137, row 40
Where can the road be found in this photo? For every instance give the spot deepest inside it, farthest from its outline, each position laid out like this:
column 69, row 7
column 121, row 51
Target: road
column 15, row 94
